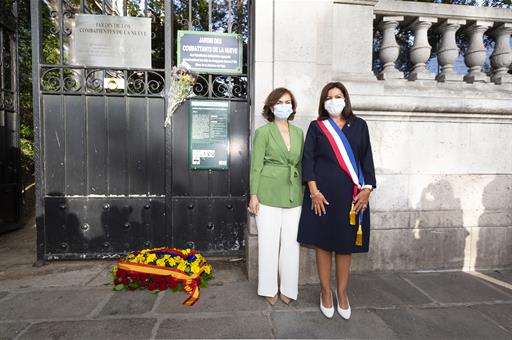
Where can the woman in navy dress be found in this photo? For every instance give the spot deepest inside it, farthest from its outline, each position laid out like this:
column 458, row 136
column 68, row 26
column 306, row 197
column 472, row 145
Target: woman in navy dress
column 329, row 196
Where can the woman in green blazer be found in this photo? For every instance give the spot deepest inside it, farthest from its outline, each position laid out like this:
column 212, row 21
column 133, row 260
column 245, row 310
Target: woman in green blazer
column 276, row 197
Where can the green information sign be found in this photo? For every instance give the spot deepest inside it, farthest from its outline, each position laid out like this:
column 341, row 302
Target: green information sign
column 210, row 52
column 208, row 135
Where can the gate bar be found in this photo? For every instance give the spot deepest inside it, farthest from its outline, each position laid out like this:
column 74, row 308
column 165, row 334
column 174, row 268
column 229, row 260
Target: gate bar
column 35, row 13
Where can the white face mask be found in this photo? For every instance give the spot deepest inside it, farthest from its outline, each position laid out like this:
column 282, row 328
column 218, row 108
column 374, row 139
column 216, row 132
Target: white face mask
column 283, row 111
column 335, row 106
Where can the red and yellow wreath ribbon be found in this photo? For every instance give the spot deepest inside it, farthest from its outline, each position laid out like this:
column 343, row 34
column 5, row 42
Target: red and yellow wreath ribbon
column 190, row 282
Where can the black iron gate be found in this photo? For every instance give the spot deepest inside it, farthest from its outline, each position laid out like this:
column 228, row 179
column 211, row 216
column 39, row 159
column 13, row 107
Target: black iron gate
column 10, row 175
column 109, row 177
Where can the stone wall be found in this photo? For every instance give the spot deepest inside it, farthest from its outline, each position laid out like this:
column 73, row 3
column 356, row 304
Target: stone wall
column 442, row 150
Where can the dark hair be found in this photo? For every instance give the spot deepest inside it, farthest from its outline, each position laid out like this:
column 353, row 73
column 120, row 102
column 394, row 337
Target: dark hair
column 322, row 112
column 273, row 98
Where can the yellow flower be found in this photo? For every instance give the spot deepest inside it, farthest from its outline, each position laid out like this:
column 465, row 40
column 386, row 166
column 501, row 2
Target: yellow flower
column 160, row 262
column 151, row 258
column 186, row 77
column 138, row 259
column 171, row 262
column 182, row 266
column 208, row 269
column 194, row 268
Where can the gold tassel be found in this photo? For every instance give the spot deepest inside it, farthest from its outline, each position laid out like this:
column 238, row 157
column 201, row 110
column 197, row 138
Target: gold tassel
column 352, row 215
column 359, row 237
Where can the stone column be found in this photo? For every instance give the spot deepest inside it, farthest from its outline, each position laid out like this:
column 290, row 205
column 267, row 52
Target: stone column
column 352, row 37
column 447, row 50
column 501, row 58
column 476, row 52
column 420, row 51
column 389, row 48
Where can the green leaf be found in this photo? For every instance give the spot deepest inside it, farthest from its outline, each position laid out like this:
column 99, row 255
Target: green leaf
column 119, row 287
column 133, row 285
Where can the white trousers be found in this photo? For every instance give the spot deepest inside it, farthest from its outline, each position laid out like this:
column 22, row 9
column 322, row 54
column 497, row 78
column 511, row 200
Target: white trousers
column 278, row 250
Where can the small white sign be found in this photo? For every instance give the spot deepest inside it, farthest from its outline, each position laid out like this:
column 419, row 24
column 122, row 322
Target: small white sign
column 111, row 41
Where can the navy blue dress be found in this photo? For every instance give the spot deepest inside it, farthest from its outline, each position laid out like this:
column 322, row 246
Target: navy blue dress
column 333, row 231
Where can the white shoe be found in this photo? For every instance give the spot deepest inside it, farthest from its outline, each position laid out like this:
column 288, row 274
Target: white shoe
column 327, row 312
column 345, row 313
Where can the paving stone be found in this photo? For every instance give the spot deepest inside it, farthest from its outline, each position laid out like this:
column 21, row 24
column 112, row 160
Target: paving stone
column 502, row 275
column 224, row 271
column 10, row 330
column 3, row 294
column 53, row 274
column 129, row 303
column 308, row 298
column 441, row 323
column 122, row 329
column 383, row 290
column 53, row 303
column 239, row 296
column 365, row 290
column 500, row 313
column 104, row 278
column 234, row 326
column 313, row 325
column 455, row 287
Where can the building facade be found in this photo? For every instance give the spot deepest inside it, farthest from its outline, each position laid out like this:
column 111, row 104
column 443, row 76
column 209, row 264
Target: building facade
column 440, row 139
column 432, row 81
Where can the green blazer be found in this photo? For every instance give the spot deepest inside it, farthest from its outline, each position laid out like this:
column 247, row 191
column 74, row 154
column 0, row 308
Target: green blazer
column 276, row 172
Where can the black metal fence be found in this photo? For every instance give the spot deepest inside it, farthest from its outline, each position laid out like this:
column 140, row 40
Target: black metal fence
column 10, row 174
column 109, row 177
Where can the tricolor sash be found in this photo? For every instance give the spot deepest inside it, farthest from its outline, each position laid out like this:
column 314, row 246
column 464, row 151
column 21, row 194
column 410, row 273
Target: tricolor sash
column 347, row 161
column 343, row 152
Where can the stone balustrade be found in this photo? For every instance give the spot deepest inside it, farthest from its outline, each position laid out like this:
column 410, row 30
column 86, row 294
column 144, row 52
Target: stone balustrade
column 445, row 21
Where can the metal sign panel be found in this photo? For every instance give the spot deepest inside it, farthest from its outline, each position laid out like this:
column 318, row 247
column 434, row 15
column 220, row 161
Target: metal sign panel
column 112, row 41
column 208, row 135
column 210, row 52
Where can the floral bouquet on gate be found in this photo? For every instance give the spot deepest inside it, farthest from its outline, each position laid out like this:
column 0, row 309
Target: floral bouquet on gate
column 160, row 268
column 180, row 88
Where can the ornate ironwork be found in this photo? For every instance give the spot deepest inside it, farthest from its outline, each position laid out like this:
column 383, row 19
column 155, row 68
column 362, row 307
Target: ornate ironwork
column 7, row 102
column 62, row 79
column 221, row 86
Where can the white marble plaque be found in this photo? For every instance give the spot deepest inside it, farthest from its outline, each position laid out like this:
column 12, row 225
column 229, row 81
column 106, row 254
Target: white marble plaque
column 112, row 41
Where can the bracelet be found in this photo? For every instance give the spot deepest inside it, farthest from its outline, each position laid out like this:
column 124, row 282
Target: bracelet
column 315, row 194
column 367, row 186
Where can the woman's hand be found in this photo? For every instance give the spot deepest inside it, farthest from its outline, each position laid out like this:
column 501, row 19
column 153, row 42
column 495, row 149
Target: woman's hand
column 318, row 203
column 361, row 200
column 254, row 205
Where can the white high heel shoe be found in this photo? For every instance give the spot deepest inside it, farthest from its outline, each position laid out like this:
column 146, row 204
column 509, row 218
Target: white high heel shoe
column 345, row 313
column 328, row 312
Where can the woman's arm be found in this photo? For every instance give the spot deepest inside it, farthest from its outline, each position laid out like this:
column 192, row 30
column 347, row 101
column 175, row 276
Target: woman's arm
column 258, row 155
column 361, row 200
column 318, row 200
column 367, row 158
column 308, row 155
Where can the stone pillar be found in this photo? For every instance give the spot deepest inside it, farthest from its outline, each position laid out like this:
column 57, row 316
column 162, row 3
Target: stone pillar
column 447, row 50
column 476, row 52
column 501, row 58
column 389, row 48
column 352, row 37
column 420, row 51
